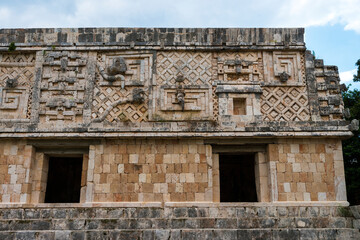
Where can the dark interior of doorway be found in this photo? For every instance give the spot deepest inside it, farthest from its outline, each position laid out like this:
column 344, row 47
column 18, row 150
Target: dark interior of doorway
column 64, row 180
column 237, row 178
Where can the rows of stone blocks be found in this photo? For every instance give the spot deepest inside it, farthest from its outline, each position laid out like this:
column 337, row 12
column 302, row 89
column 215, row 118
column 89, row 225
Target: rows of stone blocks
column 178, row 171
column 15, row 161
column 308, row 171
column 178, row 223
column 145, row 170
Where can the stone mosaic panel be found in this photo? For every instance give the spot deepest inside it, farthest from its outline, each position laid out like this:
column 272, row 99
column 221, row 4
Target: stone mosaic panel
column 16, row 81
column 63, row 86
column 284, row 67
column 234, row 67
column 194, row 66
column 285, row 104
column 122, row 82
column 114, row 105
column 291, row 63
column 195, row 100
column 136, row 68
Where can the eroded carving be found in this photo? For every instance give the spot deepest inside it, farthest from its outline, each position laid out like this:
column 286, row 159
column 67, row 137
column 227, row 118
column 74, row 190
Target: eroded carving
column 137, row 97
column 12, row 82
column 239, row 67
column 63, row 84
column 115, row 72
column 124, row 98
column 16, row 81
column 288, row 66
column 329, row 92
column 284, row 76
column 124, row 69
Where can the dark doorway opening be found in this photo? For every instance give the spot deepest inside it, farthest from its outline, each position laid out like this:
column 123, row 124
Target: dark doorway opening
column 237, row 178
column 64, row 180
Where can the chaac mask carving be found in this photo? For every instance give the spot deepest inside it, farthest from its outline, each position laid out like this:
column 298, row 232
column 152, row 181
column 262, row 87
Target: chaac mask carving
column 115, row 72
column 118, row 67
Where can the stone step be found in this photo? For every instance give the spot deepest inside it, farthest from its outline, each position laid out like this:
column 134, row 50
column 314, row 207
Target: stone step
column 178, row 223
column 187, row 234
column 171, row 212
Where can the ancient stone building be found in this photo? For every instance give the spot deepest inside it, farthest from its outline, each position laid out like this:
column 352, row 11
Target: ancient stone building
column 180, row 133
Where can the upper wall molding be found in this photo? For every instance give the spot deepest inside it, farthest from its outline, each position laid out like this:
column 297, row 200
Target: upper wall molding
column 157, row 38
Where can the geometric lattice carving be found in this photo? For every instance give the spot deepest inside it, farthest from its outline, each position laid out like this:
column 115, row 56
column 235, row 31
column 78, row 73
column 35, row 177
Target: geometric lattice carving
column 15, row 98
column 284, row 104
column 113, row 100
column 104, row 97
column 194, row 66
column 215, row 99
column 63, row 87
column 239, row 66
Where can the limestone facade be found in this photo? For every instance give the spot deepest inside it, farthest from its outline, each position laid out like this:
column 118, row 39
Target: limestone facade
column 151, row 111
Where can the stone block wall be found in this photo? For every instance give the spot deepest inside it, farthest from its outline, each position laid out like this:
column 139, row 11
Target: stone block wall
column 309, row 170
column 15, row 161
column 152, row 171
column 175, row 170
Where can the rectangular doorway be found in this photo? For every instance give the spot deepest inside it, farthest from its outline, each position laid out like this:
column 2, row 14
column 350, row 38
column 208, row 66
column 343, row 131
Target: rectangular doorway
column 64, row 180
column 237, row 178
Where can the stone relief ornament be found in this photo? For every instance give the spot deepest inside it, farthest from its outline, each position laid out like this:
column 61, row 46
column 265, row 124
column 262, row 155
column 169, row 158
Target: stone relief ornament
column 137, row 97
column 121, row 87
column 284, row 76
column 16, row 85
column 115, row 72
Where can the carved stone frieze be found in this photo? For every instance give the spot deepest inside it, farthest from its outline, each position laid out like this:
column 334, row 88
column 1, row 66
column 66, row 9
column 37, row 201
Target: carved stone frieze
column 194, row 66
column 114, row 104
column 284, row 67
column 285, row 104
column 124, row 69
column 196, row 104
column 16, row 81
column 63, row 86
column 122, row 85
column 235, row 67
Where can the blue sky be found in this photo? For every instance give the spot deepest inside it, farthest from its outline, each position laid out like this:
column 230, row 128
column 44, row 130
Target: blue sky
column 332, row 26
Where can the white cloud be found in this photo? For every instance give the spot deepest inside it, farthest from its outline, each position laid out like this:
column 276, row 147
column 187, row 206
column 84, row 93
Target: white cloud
column 321, row 12
column 185, row 13
column 347, row 76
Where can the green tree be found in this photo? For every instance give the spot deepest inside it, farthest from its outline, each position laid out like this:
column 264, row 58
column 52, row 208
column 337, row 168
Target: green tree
column 351, row 147
column 357, row 76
